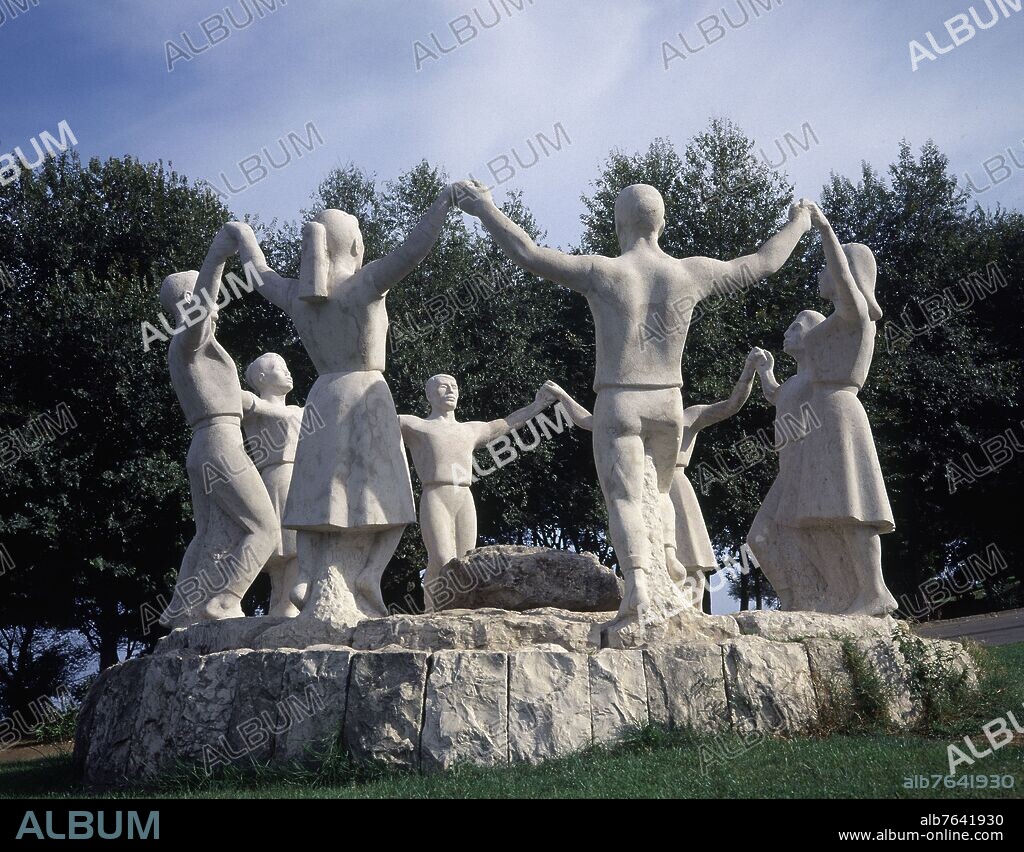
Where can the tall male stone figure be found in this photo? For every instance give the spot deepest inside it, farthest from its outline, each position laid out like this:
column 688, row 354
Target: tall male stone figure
column 639, row 409
column 235, row 521
column 442, row 452
column 271, row 429
column 351, row 495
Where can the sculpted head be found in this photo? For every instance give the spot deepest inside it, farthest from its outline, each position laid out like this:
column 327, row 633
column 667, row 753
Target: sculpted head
column 176, row 294
column 344, row 239
column 793, row 341
column 442, row 392
column 639, row 212
column 864, row 269
column 269, row 375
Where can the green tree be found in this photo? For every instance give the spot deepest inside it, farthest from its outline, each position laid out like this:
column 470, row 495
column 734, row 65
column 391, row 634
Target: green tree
column 96, row 518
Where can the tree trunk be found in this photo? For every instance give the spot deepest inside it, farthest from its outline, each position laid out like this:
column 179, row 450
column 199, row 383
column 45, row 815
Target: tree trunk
column 758, row 594
column 108, row 649
column 744, row 592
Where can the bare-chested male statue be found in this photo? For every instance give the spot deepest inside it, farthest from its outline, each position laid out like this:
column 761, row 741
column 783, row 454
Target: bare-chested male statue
column 639, row 407
column 442, row 452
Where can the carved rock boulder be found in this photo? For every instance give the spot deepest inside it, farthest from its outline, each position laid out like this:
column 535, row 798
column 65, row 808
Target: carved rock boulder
column 522, row 578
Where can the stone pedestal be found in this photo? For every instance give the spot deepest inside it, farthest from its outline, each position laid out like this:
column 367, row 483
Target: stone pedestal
column 486, row 687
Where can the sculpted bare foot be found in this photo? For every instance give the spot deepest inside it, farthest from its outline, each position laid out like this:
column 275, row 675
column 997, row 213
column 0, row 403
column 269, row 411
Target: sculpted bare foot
column 300, row 594
column 176, row 615
column 368, row 595
column 220, row 607
column 676, row 569
column 635, row 604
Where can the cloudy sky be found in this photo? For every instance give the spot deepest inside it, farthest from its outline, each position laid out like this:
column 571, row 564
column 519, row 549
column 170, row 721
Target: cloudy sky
column 598, row 68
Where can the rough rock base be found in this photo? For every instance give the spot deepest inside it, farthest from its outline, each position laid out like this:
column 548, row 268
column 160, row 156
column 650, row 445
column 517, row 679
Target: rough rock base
column 486, row 687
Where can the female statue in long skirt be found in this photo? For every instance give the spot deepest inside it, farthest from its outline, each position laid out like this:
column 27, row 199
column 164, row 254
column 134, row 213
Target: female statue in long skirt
column 831, row 500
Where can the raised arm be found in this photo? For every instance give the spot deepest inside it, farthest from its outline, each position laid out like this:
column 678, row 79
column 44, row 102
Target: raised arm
column 731, row 276
column 207, row 288
column 392, row 268
column 496, row 428
column 573, row 271
column 706, row 415
column 273, row 287
column 766, row 372
column 577, row 413
column 847, row 297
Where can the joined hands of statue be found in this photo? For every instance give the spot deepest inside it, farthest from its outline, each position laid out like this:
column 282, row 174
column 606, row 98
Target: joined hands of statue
column 471, row 196
column 766, row 362
column 227, row 241
column 755, row 358
column 551, row 392
column 800, row 212
column 818, row 219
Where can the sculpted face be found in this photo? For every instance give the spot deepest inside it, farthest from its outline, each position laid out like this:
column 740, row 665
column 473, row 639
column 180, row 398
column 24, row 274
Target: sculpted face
column 793, row 341
column 269, row 374
column 442, row 393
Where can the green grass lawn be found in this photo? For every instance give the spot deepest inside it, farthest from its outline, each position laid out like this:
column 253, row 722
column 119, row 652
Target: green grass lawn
column 653, row 764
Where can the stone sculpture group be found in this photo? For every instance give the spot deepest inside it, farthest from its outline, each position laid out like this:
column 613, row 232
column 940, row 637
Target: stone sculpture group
column 321, row 498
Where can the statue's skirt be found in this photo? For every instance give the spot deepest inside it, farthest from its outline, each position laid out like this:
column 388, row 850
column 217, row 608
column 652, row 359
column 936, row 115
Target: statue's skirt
column 837, row 477
column 351, row 472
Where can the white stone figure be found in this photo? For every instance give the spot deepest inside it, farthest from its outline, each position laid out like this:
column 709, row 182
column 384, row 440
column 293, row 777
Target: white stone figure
column 236, row 528
column 271, row 428
column 642, row 302
column 694, row 552
column 830, row 505
column 442, row 453
column 351, row 494
column 693, row 544
column 778, row 550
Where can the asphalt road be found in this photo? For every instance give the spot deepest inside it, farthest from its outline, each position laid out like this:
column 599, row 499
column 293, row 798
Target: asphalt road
column 994, row 628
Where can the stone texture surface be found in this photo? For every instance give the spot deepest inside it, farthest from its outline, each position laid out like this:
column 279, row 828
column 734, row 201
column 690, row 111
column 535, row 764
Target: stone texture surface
column 548, row 705
column 437, row 707
column 470, row 630
column 104, row 732
column 769, row 686
column 525, row 578
column 684, row 628
column 466, row 711
column 618, row 694
column 831, row 677
column 666, row 598
column 686, row 687
column 782, row 626
column 385, row 707
column 316, row 679
column 885, row 661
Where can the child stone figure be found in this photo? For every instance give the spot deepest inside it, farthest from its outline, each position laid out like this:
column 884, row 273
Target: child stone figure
column 271, row 429
column 442, row 453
